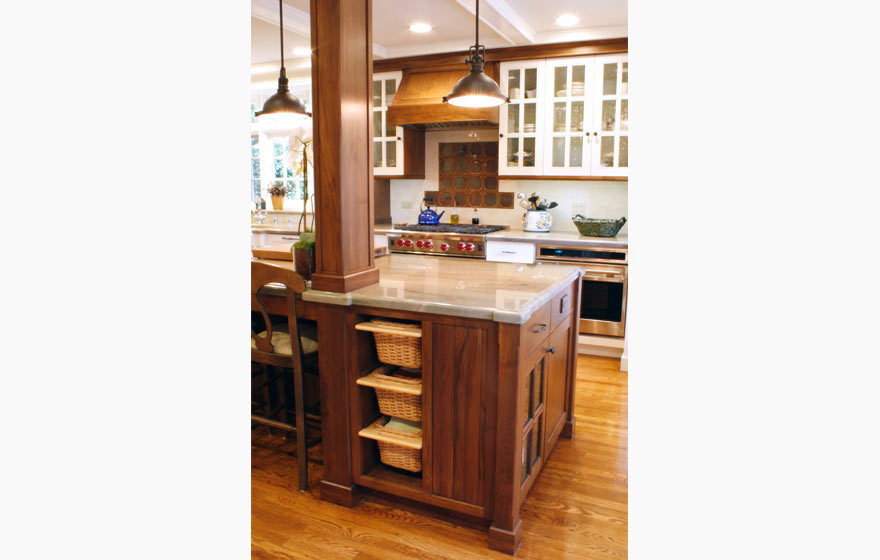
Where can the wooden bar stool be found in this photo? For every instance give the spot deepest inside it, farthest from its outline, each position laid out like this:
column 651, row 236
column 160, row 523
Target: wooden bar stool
column 273, row 348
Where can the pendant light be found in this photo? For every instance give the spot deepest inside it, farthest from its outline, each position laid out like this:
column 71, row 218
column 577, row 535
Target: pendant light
column 476, row 89
column 283, row 108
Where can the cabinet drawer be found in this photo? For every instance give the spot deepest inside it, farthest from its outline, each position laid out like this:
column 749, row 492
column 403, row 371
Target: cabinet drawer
column 506, row 251
column 535, row 330
column 561, row 306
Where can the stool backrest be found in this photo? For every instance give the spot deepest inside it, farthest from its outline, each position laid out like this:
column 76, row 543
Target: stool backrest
column 262, row 274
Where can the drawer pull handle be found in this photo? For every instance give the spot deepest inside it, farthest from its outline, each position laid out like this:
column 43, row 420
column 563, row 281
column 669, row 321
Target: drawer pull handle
column 508, row 252
column 540, row 330
column 563, row 303
column 552, row 349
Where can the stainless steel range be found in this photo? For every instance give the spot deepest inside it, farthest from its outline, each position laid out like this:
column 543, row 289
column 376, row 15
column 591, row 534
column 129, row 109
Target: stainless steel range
column 457, row 240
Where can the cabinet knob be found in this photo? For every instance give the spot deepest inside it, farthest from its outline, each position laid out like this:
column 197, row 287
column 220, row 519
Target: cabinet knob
column 552, row 349
column 595, row 134
column 398, row 137
column 500, row 136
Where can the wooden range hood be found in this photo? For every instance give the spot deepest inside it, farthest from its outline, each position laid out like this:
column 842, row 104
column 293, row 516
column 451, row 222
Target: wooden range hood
column 418, row 102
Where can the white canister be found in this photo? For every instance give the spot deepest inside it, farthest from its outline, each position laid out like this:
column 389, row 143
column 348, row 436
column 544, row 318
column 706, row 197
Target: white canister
column 537, row 220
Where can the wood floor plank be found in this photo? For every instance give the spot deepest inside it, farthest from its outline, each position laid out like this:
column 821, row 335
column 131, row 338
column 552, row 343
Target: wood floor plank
column 577, row 507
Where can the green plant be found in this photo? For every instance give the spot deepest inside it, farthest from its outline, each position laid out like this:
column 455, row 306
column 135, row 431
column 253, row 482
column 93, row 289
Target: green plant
column 306, row 241
column 278, row 189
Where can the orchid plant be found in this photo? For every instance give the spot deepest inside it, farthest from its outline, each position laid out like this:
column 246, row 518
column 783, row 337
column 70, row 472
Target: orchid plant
column 301, row 154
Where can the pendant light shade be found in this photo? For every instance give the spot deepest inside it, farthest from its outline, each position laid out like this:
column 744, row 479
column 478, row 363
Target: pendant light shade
column 283, row 108
column 476, row 90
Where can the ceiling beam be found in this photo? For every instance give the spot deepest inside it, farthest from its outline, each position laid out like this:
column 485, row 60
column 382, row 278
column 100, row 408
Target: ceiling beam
column 295, row 20
column 503, row 20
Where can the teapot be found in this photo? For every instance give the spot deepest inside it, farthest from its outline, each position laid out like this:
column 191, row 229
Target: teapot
column 428, row 216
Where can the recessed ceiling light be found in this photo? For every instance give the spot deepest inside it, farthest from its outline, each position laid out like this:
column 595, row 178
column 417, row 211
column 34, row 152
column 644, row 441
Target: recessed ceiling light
column 302, row 51
column 420, row 28
column 567, row 20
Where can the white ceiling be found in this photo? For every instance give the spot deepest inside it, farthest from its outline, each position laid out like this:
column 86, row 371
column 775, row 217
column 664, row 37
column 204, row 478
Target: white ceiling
column 504, row 23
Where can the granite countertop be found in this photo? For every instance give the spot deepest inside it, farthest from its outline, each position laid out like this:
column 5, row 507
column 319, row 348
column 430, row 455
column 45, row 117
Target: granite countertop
column 503, row 292
column 562, row 238
column 275, row 231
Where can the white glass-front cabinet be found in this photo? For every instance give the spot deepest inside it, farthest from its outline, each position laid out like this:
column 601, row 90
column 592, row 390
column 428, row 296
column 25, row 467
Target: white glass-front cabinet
column 611, row 116
column 566, row 117
column 569, row 116
column 521, row 142
column 387, row 140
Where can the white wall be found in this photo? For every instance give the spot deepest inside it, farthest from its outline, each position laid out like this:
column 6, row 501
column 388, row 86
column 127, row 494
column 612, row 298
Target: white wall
column 602, row 199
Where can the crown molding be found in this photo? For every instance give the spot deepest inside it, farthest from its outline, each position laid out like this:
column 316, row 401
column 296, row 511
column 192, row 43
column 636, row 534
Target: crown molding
column 295, row 20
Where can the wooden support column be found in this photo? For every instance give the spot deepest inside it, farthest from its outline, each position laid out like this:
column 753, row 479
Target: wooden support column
column 505, row 533
column 342, row 72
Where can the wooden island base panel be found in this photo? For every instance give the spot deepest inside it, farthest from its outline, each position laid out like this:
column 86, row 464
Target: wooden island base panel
column 498, row 350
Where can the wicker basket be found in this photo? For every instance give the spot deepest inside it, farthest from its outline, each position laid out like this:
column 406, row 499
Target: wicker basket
column 398, row 397
column 597, row 228
column 396, row 449
column 399, row 344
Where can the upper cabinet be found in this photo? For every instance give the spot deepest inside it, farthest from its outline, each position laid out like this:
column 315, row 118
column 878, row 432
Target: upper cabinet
column 566, row 117
column 611, row 116
column 387, row 140
column 520, row 145
column 569, row 116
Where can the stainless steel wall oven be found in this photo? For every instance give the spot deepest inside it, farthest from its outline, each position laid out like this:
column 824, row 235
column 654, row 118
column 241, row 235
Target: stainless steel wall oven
column 604, row 284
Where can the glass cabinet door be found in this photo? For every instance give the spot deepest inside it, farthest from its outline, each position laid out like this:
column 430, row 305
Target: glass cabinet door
column 568, row 116
column 387, row 140
column 521, row 126
column 610, row 134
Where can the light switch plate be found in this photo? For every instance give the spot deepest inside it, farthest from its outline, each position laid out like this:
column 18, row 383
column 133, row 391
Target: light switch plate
column 406, row 204
column 579, row 208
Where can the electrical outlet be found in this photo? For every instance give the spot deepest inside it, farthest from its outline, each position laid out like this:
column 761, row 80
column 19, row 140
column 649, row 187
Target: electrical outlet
column 579, row 208
column 406, row 204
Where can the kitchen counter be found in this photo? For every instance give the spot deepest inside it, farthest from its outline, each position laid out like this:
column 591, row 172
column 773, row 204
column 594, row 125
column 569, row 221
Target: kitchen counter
column 560, row 238
column 472, row 288
column 275, row 231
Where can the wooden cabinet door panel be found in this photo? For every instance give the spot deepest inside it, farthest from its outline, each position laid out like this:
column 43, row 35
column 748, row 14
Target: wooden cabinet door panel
column 462, row 429
column 555, row 393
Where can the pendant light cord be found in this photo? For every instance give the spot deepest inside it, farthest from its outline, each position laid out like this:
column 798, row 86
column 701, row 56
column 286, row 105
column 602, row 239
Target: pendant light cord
column 477, row 25
column 281, row 27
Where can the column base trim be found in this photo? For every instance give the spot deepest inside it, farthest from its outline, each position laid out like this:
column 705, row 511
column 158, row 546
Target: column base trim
column 347, row 496
column 505, row 541
column 329, row 282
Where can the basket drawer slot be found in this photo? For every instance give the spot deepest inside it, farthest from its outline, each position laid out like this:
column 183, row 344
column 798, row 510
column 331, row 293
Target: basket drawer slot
column 400, row 397
column 396, row 448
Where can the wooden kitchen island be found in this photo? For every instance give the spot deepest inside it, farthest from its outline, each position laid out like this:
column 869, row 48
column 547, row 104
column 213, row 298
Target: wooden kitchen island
column 498, row 360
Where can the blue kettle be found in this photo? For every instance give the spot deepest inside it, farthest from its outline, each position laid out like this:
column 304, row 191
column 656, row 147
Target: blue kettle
column 429, row 217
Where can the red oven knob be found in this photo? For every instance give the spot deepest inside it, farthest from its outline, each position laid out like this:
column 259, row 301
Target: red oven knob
column 419, row 243
column 461, row 246
column 400, row 242
column 470, row 247
column 444, row 246
column 428, row 244
column 408, row 242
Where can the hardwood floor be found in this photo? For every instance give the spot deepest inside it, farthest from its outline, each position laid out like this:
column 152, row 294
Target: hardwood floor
column 576, row 509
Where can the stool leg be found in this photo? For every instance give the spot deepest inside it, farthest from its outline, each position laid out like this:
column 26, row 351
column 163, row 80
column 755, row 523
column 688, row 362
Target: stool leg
column 271, row 393
column 301, row 451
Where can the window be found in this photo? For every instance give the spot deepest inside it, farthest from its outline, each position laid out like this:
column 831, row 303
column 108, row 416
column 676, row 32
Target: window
column 271, row 159
column 255, row 166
